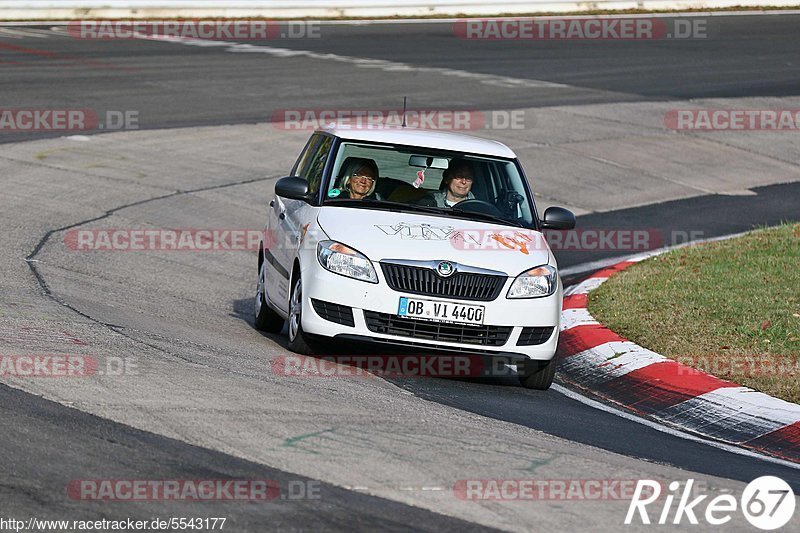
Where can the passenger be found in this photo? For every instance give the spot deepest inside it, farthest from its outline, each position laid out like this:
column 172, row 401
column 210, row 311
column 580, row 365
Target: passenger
column 455, row 187
column 359, row 181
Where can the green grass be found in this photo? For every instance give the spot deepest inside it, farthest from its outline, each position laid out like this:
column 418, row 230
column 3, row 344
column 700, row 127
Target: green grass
column 730, row 308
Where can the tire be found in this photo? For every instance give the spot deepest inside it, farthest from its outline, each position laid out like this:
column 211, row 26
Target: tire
column 299, row 341
column 537, row 375
column 266, row 319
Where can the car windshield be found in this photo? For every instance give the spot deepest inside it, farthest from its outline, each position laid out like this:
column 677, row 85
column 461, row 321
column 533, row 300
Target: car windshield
column 468, row 186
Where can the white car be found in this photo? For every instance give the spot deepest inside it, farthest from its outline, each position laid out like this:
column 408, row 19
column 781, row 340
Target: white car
column 433, row 257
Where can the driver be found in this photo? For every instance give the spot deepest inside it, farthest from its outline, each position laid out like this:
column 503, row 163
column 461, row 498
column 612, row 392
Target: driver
column 359, row 181
column 456, row 185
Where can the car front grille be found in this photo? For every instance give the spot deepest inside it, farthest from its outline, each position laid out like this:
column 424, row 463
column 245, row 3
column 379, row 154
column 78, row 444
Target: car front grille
column 535, row 335
column 461, row 285
column 436, row 331
column 341, row 314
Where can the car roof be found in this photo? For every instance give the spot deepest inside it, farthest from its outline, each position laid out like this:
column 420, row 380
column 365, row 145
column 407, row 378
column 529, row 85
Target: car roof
column 440, row 140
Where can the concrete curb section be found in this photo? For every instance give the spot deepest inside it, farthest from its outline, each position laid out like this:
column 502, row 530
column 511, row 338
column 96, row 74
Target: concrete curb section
column 595, row 359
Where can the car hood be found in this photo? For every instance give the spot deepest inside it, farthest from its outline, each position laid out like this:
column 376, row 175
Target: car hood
column 382, row 235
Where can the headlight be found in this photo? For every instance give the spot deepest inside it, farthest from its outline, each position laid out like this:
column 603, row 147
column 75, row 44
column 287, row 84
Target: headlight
column 341, row 259
column 535, row 283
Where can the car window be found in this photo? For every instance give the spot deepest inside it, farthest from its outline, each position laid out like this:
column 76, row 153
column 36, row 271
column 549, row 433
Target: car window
column 302, row 162
column 391, row 164
column 316, row 163
column 509, row 189
column 496, row 181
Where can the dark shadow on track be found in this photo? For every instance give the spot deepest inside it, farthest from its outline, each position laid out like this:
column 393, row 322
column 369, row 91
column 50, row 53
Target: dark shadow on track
column 552, row 413
column 109, row 450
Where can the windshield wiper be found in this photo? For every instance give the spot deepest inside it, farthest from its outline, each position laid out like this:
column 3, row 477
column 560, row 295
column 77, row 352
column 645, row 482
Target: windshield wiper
column 384, row 204
column 416, row 207
column 487, row 216
column 349, row 202
column 439, row 211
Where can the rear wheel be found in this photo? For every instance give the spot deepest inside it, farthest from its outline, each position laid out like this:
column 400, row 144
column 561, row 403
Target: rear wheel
column 537, row 375
column 299, row 341
column 265, row 318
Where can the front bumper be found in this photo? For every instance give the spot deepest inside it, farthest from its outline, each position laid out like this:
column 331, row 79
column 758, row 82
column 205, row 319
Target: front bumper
column 361, row 296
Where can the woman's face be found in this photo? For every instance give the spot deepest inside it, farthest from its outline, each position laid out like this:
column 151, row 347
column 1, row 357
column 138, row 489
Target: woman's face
column 361, row 182
column 460, row 183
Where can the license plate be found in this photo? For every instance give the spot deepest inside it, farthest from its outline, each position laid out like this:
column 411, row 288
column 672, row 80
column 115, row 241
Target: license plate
column 441, row 311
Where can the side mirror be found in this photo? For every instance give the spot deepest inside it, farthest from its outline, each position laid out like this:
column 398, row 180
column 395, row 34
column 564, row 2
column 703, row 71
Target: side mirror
column 558, row 218
column 292, row 188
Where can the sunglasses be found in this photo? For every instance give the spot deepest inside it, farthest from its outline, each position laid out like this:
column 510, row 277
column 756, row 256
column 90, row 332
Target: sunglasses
column 363, row 177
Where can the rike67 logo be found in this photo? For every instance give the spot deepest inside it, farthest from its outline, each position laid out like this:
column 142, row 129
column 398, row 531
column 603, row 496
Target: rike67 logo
column 767, row 502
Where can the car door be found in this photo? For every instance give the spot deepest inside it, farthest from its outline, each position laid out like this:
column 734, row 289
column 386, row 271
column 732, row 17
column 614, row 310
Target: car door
column 289, row 217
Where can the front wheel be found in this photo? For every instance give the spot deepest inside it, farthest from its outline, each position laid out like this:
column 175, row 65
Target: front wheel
column 537, row 375
column 299, row 341
column 265, row 318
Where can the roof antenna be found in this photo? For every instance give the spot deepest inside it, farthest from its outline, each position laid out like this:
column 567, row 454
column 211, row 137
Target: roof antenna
column 404, row 111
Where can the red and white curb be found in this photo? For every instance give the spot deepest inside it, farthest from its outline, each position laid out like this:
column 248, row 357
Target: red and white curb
column 595, row 359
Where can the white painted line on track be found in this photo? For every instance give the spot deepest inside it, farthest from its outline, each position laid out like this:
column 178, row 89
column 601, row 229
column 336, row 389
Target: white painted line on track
column 618, row 358
column 37, row 32
column 587, row 286
column 742, row 403
column 571, row 318
column 8, row 33
column 445, row 20
column 381, row 64
column 668, row 430
column 28, row 33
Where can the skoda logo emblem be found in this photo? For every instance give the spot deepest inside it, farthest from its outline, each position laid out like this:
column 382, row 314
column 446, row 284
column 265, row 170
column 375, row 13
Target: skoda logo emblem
column 445, row 269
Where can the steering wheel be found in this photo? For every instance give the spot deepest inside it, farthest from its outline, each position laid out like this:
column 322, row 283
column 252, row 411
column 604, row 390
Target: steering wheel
column 508, row 201
column 478, row 206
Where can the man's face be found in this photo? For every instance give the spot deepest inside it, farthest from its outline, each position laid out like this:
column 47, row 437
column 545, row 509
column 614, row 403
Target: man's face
column 361, row 181
column 461, row 183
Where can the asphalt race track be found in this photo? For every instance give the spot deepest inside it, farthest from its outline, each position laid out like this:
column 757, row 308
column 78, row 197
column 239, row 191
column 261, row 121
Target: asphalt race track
column 201, row 400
